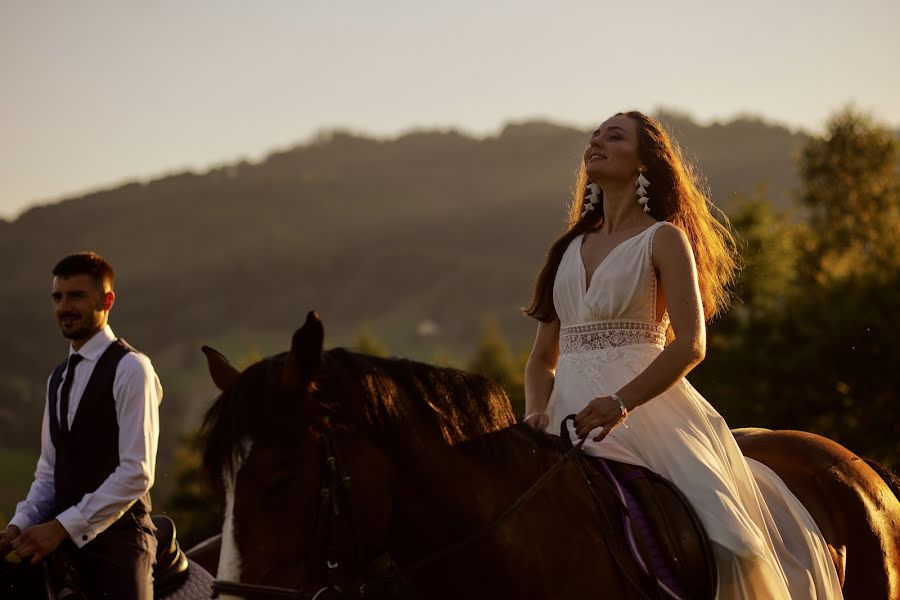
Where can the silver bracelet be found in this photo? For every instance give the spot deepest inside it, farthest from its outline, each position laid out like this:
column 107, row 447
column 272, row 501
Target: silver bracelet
column 621, row 408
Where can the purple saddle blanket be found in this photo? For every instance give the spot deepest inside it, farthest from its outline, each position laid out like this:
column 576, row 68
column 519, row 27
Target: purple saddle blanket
column 663, row 533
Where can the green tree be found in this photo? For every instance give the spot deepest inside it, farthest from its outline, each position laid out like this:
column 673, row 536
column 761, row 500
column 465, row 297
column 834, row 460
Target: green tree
column 851, row 191
column 738, row 373
column 808, row 343
column 493, row 358
column 367, row 343
column 195, row 508
column 846, row 315
column 767, row 241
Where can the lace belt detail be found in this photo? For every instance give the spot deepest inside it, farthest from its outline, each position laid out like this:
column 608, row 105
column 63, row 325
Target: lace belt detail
column 609, row 334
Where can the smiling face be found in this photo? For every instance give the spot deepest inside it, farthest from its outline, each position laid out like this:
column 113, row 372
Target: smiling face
column 612, row 154
column 81, row 306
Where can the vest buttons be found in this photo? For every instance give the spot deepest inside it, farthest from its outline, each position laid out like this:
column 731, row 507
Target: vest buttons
column 84, row 537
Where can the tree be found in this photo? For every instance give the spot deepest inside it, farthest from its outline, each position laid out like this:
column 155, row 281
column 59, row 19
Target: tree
column 767, row 242
column 366, row 343
column 195, row 508
column 846, row 315
column 739, row 375
column 494, row 360
column 808, row 344
column 851, row 191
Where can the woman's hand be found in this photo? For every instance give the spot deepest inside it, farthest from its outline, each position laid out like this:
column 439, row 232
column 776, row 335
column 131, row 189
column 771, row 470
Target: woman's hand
column 537, row 420
column 603, row 411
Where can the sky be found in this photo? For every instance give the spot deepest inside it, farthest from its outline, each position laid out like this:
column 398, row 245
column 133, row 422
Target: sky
column 97, row 93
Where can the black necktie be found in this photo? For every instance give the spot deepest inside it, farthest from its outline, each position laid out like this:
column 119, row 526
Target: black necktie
column 74, row 359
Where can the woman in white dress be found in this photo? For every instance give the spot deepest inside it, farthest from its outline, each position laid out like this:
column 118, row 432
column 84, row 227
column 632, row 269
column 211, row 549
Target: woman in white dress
column 622, row 302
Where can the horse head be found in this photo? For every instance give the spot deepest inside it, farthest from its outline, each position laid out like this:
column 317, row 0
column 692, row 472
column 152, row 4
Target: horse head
column 306, row 488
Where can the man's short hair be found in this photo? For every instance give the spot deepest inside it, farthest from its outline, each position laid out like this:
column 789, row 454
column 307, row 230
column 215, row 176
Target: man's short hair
column 86, row 263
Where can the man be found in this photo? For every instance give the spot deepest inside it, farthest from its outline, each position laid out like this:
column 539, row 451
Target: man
column 91, row 490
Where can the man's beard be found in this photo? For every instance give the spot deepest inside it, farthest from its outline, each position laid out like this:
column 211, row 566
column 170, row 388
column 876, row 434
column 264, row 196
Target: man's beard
column 86, row 326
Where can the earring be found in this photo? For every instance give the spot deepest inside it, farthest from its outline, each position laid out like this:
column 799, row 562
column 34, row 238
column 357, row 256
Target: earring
column 642, row 184
column 591, row 198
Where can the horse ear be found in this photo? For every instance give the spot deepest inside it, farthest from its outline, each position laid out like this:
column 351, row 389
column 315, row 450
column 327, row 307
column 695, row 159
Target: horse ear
column 221, row 371
column 305, row 358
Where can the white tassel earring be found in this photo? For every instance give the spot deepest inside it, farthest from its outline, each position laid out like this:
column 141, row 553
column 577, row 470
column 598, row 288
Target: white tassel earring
column 642, row 184
column 591, row 198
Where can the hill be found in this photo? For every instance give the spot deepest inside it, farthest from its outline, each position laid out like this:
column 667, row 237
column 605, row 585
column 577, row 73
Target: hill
column 430, row 226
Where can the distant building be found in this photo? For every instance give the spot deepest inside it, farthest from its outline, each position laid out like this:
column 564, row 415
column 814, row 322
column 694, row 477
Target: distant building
column 427, row 328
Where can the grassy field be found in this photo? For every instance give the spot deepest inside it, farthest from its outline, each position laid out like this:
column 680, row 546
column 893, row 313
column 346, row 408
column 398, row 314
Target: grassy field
column 16, row 473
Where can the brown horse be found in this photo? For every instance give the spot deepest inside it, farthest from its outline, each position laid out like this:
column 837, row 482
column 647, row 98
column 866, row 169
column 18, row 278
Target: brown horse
column 855, row 507
column 355, row 476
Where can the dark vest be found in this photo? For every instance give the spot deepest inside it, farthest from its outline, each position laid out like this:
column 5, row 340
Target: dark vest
column 89, row 452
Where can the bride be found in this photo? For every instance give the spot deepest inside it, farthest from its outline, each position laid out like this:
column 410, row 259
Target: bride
column 621, row 304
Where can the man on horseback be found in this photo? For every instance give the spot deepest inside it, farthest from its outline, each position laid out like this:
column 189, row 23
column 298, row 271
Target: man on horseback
column 91, row 494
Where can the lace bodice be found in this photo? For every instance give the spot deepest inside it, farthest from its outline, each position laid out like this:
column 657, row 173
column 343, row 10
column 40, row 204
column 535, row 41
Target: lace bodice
column 620, row 305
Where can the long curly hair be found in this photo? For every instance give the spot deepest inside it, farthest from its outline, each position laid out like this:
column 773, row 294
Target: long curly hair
column 678, row 199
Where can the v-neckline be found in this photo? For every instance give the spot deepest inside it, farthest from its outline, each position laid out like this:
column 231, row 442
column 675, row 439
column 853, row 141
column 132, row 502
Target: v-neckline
column 585, row 286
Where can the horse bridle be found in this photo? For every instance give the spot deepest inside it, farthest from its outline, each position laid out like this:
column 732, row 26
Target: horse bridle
column 335, row 486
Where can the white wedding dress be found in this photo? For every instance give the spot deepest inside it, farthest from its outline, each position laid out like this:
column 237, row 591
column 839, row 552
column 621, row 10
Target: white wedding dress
column 766, row 543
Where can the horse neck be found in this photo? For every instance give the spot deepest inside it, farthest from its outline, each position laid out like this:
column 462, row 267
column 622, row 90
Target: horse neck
column 444, row 491
column 446, row 494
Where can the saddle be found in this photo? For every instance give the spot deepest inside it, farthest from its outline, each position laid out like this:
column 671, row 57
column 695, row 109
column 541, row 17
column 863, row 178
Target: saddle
column 171, row 570
column 661, row 529
column 664, row 533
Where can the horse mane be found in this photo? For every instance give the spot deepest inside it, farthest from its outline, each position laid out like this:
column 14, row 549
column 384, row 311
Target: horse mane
column 393, row 396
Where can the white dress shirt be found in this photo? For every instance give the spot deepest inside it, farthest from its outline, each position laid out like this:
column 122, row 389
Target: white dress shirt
column 137, row 394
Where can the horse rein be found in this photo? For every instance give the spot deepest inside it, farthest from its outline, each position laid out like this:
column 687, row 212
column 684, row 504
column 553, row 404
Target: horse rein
column 336, row 481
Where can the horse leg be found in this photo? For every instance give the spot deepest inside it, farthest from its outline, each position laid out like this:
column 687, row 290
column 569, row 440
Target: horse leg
column 854, row 509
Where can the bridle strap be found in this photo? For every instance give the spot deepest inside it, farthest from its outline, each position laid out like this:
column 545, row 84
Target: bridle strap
column 332, row 507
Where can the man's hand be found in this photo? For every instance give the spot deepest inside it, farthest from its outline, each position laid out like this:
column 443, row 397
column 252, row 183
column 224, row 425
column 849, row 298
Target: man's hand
column 6, row 538
column 40, row 540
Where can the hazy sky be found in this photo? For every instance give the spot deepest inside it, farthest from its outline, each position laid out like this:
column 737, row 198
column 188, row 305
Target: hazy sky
column 99, row 92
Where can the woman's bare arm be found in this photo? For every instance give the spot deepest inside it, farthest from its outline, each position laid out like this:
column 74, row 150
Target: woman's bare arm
column 674, row 260
column 539, row 373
